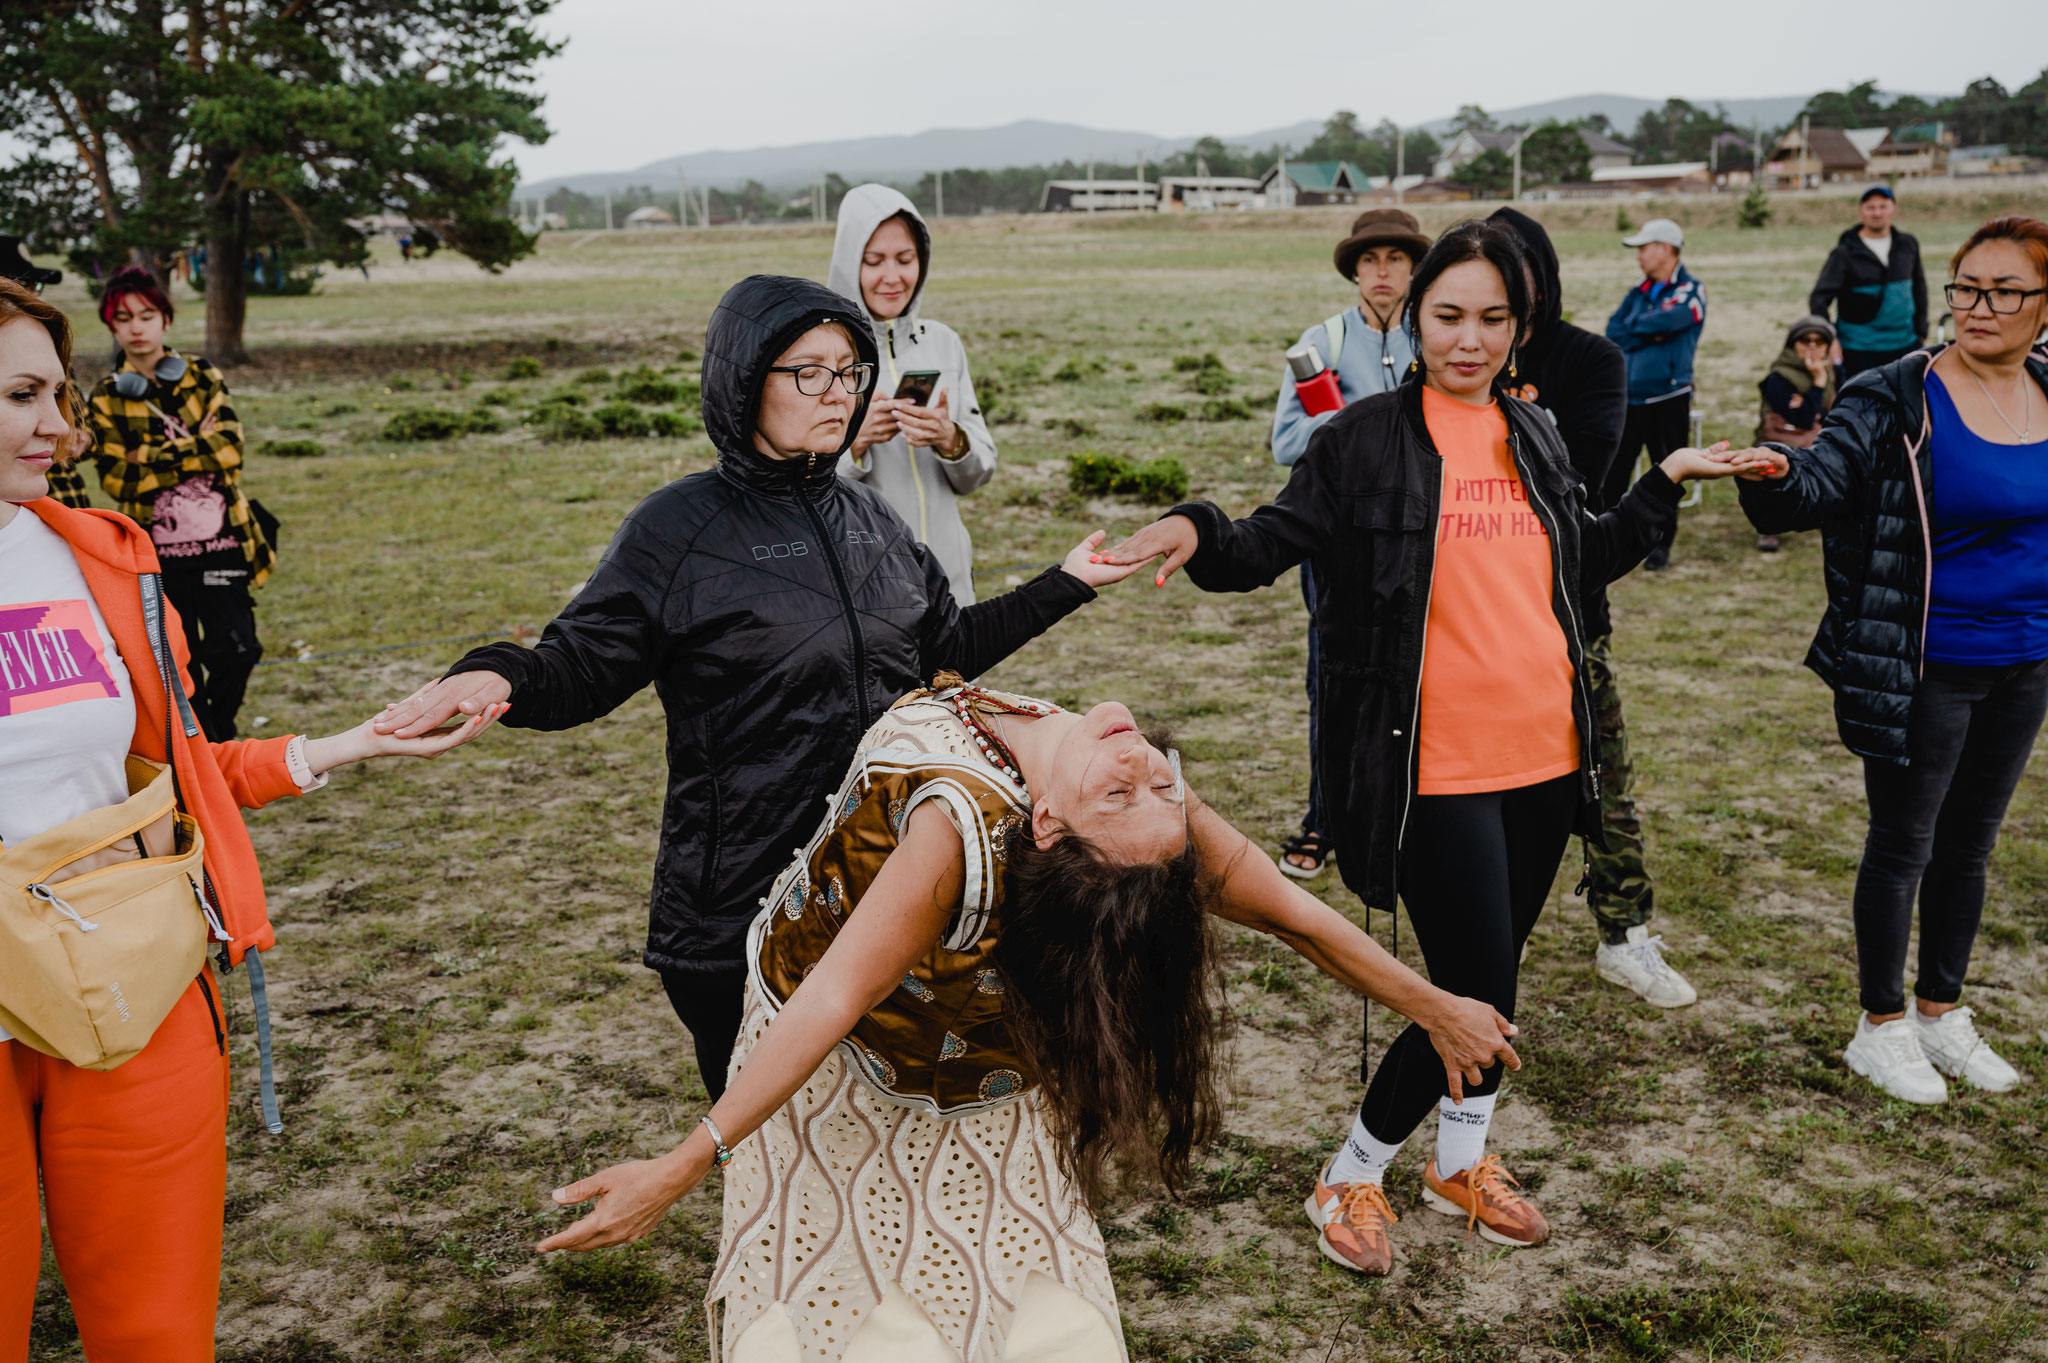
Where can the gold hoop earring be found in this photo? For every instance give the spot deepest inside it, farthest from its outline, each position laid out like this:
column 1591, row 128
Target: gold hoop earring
column 1511, row 368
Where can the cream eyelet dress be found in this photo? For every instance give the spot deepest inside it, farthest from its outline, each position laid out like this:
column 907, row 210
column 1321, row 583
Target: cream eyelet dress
column 906, row 1205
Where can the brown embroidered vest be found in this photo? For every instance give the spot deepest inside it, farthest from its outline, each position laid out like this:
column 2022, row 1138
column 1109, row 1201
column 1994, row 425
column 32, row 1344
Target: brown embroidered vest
column 940, row 1041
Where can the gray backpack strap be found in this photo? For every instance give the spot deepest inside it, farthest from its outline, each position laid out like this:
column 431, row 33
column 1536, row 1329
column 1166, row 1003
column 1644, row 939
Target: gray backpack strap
column 1333, row 327
column 167, row 668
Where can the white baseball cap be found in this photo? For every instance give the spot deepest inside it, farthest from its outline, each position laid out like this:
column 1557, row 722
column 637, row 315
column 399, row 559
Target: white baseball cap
column 1658, row 229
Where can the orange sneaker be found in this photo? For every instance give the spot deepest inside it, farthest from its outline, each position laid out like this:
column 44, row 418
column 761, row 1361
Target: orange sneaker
column 1351, row 1221
column 1480, row 1195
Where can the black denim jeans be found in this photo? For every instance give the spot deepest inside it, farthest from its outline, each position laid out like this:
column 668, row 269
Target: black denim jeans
column 1933, row 824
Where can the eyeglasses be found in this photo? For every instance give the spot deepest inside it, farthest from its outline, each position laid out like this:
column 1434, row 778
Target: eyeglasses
column 1962, row 298
column 815, row 380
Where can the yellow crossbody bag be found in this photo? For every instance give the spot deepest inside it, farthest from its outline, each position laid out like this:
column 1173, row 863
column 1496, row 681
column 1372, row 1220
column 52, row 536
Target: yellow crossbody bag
column 103, row 921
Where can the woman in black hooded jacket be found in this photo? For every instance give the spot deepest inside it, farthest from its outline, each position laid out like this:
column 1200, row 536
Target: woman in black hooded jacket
column 778, row 609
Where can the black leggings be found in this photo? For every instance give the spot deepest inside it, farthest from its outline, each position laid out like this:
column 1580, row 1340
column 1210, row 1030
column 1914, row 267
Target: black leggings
column 710, row 1004
column 1933, row 825
column 1475, row 872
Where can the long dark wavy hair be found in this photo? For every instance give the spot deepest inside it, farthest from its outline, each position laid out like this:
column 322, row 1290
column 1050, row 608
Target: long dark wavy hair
column 1487, row 239
column 1110, row 972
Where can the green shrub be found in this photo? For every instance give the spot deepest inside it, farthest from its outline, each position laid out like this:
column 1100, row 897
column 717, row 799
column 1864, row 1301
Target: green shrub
column 1072, row 427
column 461, row 378
column 1162, row 413
column 401, row 384
column 595, row 376
column 1622, row 221
column 622, row 419
column 1002, row 412
column 567, row 397
column 426, row 423
column 1194, row 364
column 1755, row 208
column 686, row 356
column 340, row 409
column 675, row 425
column 522, row 367
column 560, row 421
column 484, row 421
column 1226, row 409
column 1073, row 371
column 1210, row 382
column 1112, row 475
column 497, row 397
column 294, row 449
column 650, row 388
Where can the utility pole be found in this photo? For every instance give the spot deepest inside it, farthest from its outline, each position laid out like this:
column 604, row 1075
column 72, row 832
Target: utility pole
column 939, row 193
column 1756, row 150
column 1400, row 161
column 1517, row 194
column 1091, row 186
column 608, row 210
column 1803, row 143
column 682, row 198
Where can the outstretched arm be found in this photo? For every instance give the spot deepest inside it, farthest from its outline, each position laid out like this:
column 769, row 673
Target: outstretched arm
column 893, row 927
column 1469, row 1035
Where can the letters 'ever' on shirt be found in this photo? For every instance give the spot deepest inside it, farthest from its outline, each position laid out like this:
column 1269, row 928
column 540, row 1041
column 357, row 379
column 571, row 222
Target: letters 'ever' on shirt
column 1496, row 710
column 1990, row 509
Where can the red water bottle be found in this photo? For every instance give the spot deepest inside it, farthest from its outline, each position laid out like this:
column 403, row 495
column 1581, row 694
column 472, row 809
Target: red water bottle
column 1314, row 382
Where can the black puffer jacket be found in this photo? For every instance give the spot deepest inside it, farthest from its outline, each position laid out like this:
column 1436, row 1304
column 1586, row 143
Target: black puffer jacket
column 1362, row 505
column 1868, row 484
column 778, row 609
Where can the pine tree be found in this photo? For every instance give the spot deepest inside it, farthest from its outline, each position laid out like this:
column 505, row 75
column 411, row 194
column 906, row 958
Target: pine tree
column 1755, row 208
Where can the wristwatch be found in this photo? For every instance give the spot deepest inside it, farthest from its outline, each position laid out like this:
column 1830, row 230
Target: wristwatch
column 961, row 440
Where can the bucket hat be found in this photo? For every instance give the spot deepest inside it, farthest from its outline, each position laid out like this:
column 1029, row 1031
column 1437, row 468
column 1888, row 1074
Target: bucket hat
column 1381, row 227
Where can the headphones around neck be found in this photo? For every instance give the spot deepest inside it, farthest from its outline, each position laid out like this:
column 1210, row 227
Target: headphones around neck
column 130, row 384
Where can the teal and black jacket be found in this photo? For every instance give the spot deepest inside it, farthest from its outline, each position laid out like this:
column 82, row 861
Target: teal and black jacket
column 1878, row 306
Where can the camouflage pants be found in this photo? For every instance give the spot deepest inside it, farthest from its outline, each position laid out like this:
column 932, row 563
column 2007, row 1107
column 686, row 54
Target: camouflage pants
column 1618, row 888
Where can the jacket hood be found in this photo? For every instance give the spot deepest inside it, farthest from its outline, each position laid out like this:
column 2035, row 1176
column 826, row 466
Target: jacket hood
column 756, row 321
column 1549, row 280
column 865, row 208
column 118, row 541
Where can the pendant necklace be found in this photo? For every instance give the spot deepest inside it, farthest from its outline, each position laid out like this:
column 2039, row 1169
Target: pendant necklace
column 967, row 700
column 2025, row 437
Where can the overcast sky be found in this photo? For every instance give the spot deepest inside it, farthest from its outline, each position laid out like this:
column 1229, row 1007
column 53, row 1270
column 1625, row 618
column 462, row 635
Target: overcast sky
column 643, row 79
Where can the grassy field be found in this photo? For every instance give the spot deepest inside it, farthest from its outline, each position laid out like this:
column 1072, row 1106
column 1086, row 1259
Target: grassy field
column 464, row 1024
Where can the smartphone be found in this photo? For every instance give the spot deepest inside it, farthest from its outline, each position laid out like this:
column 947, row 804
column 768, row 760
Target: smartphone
column 917, row 386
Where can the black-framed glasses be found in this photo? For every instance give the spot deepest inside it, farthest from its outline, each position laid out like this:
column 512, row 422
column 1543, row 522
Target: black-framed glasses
column 1963, row 298
column 815, row 380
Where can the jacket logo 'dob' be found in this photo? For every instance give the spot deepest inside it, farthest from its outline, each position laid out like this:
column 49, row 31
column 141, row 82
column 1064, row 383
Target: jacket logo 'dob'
column 794, row 550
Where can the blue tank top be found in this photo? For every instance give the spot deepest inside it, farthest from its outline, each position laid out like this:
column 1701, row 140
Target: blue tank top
column 1990, row 532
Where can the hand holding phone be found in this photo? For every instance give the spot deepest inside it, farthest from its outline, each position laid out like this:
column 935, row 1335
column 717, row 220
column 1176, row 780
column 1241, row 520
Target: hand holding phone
column 916, row 386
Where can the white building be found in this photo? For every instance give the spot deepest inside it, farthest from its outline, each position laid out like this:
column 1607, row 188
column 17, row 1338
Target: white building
column 1206, row 193
column 1098, row 196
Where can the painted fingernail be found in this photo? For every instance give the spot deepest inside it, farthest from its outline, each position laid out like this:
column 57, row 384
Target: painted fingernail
column 1159, row 581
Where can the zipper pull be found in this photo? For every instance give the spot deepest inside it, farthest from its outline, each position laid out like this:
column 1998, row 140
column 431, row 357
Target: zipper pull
column 220, row 932
column 49, row 896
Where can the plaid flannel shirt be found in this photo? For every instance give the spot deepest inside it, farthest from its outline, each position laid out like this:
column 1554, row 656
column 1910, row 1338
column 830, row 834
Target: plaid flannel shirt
column 140, row 454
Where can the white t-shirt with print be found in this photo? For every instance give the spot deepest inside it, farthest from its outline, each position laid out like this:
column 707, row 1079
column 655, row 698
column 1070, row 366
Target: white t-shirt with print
column 67, row 711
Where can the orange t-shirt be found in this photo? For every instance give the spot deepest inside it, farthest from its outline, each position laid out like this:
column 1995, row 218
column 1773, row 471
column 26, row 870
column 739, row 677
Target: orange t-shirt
column 1497, row 680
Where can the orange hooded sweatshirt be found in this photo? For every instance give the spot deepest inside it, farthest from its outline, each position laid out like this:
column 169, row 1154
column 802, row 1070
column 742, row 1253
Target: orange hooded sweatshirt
column 218, row 780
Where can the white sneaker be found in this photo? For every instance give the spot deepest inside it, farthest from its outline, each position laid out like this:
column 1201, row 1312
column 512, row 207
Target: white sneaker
column 1889, row 1056
column 1952, row 1045
column 1638, row 964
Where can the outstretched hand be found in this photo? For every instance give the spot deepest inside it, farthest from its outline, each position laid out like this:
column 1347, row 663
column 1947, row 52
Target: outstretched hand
column 366, row 741
column 1470, row 1036
column 1761, row 463
column 1171, row 536
column 1715, row 461
column 631, row 1200
column 1084, row 562
column 467, row 694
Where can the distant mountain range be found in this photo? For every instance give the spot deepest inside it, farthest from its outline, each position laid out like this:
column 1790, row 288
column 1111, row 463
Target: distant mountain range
column 1032, row 142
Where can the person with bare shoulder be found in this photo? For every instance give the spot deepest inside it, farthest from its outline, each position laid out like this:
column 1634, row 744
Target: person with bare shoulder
column 1929, row 483
column 1450, row 539
column 983, row 994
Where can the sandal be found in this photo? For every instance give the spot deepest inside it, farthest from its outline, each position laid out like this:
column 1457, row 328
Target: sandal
column 1311, row 845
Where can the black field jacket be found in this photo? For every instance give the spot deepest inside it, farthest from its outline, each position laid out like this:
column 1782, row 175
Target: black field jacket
column 778, row 609
column 1362, row 505
column 1867, row 483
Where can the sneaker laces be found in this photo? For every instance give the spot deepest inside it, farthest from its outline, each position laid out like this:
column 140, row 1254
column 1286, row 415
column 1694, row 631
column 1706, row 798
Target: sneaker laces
column 1488, row 1179
column 1902, row 1044
column 1963, row 1027
column 1363, row 1201
column 1650, row 952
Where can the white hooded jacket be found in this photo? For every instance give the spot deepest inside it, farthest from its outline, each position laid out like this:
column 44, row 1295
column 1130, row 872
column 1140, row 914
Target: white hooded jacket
column 920, row 484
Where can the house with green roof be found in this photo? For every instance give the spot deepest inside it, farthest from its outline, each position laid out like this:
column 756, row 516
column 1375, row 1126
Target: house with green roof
column 1302, row 183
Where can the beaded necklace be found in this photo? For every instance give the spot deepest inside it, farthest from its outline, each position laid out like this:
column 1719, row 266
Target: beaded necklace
column 966, row 700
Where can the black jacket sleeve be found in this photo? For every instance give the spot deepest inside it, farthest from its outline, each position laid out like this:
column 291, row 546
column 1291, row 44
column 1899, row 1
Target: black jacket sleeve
column 1612, row 543
column 605, row 645
column 1591, row 421
column 1799, row 409
column 973, row 640
column 1245, row 555
column 1919, row 296
column 1826, row 474
column 1829, row 286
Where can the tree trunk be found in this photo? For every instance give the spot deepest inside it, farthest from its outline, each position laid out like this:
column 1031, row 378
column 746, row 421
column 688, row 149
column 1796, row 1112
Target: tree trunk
column 227, row 286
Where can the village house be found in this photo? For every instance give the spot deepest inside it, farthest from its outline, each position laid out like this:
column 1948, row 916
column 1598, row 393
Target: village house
column 1293, row 184
column 1204, row 193
column 1469, row 146
column 1098, row 196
